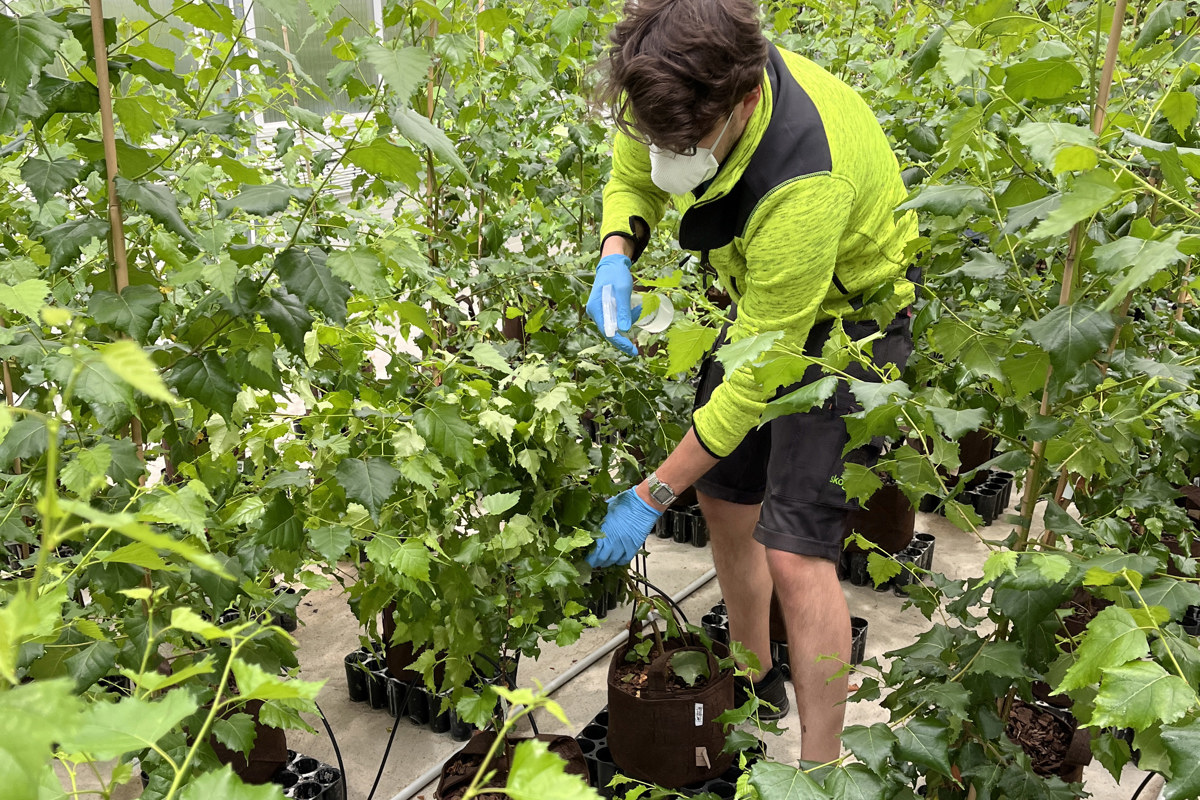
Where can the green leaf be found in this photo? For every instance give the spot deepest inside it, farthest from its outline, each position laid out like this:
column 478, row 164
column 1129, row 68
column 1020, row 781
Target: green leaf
column 281, row 528
column 204, row 378
column 1140, row 694
column 499, row 503
column 235, row 732
column 881, row 568
column 404, row 68
column 568, row 22
column 925, row 742
column 26, row 298
column 947, row 201
column 1000, row 658
column 109, row 730
column 369, row 482
column 1159, row 22
column 960, row 63
column 30, row 42
column 854, row 782
column 388, row 161
column 47, row 177
column 360, row 268
column 255, row 683
column 485, row 354
column 690, row 665
column 133, row 311
column 441, row 426
column 1111, row 639
column 955, row 423
column 417, row 128
column 1071, row 335
column 85, row 473
column 131, row 364
column 27, row 741
column 139, row 554
column 1041, row 80
column 128, row 525
column 65, row 242
column 411, row 559
column 1137, row 261
column 91, row 663
column 735, row 355
column 802, row 400
column 185, row 619
column 871, row 745
column 781, row 782
column 1180, row 110
column 687, row 343
column 1183, row 743
column 263, row 201
column 183, row 507
column 1045, row 139
column 220, row 123
column 331, row 541
column 305, row 275
column 1092, row 192
column 287, row 318
column 927, row 56
column 158, row 201
column 538, row 774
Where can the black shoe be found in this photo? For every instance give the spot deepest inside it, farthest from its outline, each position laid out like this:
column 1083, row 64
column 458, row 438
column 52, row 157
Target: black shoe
column 770, row 689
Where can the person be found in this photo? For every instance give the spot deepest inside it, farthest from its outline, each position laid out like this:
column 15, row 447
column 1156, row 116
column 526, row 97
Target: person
column 787, row 186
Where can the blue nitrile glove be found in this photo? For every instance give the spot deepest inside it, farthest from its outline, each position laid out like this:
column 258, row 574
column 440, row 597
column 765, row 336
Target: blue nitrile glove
column 626, row 525
column 613, row 270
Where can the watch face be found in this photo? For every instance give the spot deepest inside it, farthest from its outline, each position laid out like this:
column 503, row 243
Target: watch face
column 663, row 494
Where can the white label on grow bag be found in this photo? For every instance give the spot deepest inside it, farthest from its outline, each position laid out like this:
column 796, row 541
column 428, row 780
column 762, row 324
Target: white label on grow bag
column 699, row 714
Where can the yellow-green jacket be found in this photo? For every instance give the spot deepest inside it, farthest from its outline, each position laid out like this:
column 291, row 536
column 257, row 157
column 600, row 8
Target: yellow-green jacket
column 798, row 222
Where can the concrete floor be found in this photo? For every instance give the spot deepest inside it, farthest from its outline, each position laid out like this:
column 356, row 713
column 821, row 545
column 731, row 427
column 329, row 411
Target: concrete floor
column 329, row 631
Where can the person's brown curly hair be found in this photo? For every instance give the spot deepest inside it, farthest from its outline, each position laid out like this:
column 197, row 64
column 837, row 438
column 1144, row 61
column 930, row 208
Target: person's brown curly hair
column 677, row 68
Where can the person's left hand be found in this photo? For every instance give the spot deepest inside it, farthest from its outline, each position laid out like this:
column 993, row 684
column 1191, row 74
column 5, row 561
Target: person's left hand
column 626, row 526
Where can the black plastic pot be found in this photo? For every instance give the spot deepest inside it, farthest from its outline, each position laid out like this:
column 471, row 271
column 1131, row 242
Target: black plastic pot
column 400, row 694
column 929, row 504
column 858, row 569
column 681, row 527
column 925, row 541
column 285, row 619
column 460, row 730
column 662, row 528
column 858, row 639
column 357, row 675
column 907, row 558
column 377, row 691
column 985, row 500
column 418, row 706
column 439, row 721
column 1191, row 621
column 716, row 626
column 699, row 531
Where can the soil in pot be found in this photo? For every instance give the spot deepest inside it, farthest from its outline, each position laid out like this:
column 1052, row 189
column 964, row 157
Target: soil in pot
column 1046, row 738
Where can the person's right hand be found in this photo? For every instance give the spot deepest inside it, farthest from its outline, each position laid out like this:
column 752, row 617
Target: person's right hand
column 613, row 270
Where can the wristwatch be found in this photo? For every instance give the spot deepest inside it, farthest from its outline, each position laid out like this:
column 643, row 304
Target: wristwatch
column 663, row 495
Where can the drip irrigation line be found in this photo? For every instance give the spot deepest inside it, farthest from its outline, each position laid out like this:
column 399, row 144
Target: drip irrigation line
column 337, row 751
column 410, row 791
column 1142, row 785
column 391, row 738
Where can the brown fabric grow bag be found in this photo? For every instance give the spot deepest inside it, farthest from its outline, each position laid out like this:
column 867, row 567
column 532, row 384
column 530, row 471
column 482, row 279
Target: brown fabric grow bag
column 669, row 735
column 266, row 757
column 460, row 769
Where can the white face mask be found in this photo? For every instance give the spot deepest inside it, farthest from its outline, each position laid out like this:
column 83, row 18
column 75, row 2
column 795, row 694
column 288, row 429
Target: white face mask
column 680, row 174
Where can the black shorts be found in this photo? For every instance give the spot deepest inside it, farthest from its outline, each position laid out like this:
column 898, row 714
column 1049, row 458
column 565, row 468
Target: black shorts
column 793, row 464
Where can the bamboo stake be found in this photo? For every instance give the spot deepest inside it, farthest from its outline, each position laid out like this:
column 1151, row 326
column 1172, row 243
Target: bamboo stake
column 1033, row 475
column 108, row 133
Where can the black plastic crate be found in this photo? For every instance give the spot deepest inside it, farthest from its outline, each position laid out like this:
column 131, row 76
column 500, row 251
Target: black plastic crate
column 593, row 741
column 307, row 778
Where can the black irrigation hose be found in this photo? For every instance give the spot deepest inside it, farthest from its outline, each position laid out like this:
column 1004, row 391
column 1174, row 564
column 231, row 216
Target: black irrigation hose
column 336, row 750
column 387, row 750
column 1144, row 782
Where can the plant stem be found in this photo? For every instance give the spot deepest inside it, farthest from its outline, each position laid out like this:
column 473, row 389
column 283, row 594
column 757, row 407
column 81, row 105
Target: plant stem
column 1037, row 456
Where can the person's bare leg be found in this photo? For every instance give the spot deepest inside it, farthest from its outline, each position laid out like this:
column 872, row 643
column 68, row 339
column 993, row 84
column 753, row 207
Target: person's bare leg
column 818, row 624
column 742, row 571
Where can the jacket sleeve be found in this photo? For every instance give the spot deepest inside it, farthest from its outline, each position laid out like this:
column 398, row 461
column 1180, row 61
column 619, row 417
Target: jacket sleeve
column 791, row 247
column 633, row 205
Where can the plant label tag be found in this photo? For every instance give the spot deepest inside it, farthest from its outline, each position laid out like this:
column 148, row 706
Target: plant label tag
column 702, row 758
column 699, row 714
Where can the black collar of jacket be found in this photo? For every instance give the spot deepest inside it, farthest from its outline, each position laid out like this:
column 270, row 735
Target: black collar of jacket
column 793, row 145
